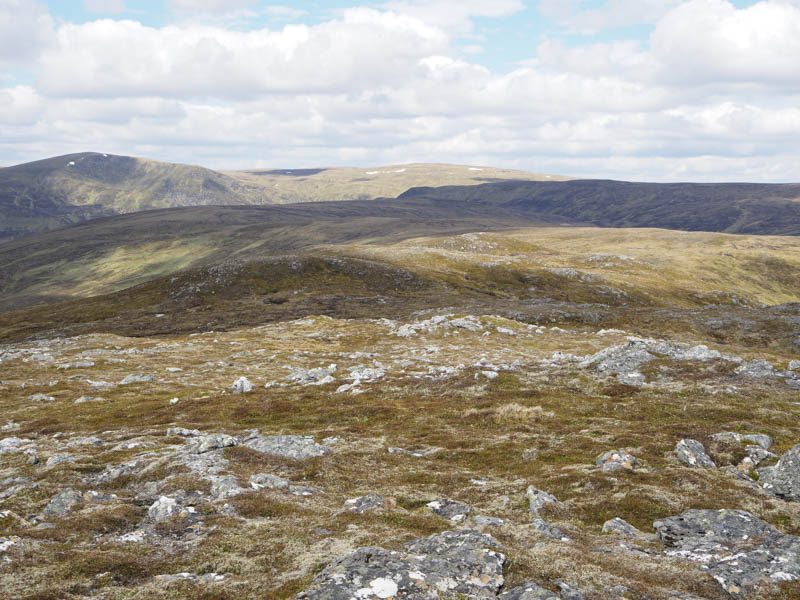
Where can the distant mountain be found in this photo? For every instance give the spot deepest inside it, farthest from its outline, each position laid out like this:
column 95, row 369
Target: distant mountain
column 52, row 193
column 753, row 208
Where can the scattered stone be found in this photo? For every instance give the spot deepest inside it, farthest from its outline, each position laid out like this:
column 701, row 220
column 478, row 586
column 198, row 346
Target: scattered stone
column 450, row 509
column 183, row 432
column 794, row 365
column 207, row 578
column 756, row 454
column 734, row 547
column 538, row 498
column 298, row 447
column 621, row 527
column 632, row 378
column 757, row 369
column 269, row 481
column 85, row 399
column 63, row 502
column 163, row 509
column 317, row 376
column 464, row 563
column 12, row 444
column 549, row 531
column 137, row 378
column 369, row 503
column 616, row 460
column 485, row 521
column 207, row 443
column 783, row 480
column 761, row 439
column 225, row 486
column 39, row 397
column 59, row 459
column 174, row 370
column 420, row 453
column 242, row 386
column 693, row 454
column 623, row 358
column 81, row 364
column 362, row 374
column 529, row 591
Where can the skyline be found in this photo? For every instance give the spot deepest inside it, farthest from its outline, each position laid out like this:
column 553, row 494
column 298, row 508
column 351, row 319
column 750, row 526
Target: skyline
column 658, row 90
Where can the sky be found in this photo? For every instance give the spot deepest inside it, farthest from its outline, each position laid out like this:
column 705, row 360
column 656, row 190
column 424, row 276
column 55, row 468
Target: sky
column 646, row 90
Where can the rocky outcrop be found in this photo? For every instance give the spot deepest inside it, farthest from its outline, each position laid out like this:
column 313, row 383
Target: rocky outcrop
column 298, row 447
column 783, row 480
column 693, row 454
column 615, row 461
column 736, row 548
column 538, row 498
column 454, row 563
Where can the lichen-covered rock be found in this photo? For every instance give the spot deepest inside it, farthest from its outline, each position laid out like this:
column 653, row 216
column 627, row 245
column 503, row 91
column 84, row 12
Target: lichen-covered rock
column 207, row 443
column 163, row 509
column 783, row 480
column 621, row 527
column 458, row 563
column 267, row 480
column 529, row 591
column 39, row 397
column 369, row 503
column 616, row 460
column 757, row 369
column 225, row 486
column 242, row 386
column 538, row 498
column 298, row 447
column 450, row 509
column 623, row 358
column 59, row 459
column 761, row 439
column 319, row 376
column 137, row 378
column 549, row 531
column 693, row 454
column 736, row 548
column 63, row 502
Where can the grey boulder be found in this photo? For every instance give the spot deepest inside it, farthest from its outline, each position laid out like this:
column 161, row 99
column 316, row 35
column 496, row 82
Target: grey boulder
column 538, row 498
column 621, row 527
column 63, row 502
column 453, row 563
column 298, row 447
column 529, row 591
column 783, row 480
column 737, row 549
column 450, row 509
column 615, row 461
column 693, row 454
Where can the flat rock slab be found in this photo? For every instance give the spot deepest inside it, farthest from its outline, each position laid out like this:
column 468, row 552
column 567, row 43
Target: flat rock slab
column 736, row 548
column 454, row 563
column 298, row 447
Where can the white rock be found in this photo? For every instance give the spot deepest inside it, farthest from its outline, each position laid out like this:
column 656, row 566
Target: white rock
column 242, row 386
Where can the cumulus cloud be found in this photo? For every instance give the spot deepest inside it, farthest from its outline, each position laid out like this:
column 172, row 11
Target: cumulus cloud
column 708, row 41
column 109, row 58
column 25, row 29
column 454, row 15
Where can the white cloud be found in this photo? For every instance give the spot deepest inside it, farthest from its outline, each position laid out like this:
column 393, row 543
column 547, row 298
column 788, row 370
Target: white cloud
column 105, row 6
column 25, row 28
column 708, row 41
column 124, row 58
column 21, row 105
column 454, row 15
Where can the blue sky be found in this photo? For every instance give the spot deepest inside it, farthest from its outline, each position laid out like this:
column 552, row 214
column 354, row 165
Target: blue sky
column 659, row 90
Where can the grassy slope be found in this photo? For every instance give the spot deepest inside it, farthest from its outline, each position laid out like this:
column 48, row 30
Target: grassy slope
column 578, row 274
